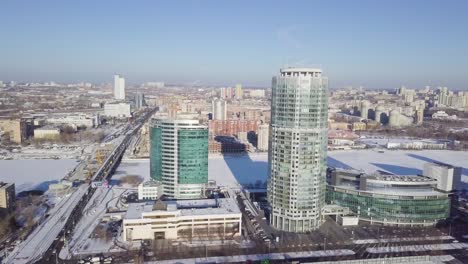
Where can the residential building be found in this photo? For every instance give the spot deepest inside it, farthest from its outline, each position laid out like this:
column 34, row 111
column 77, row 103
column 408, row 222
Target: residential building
column 219, row 109
column 364, row 109
column 298, row 149
column 448, row 176
column 139, row 100
column 238, row 91
column 119, row 87
column 263, row 137
column 218, row 219
column 7, row 196
column 231, row 127
column 179, row 157
column 16, row 130
column 257, row 93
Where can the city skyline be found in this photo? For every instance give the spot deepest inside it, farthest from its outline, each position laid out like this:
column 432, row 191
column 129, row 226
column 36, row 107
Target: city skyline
column 376, row 45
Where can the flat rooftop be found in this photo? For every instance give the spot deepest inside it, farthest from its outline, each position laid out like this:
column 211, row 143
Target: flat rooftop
column 186, row 207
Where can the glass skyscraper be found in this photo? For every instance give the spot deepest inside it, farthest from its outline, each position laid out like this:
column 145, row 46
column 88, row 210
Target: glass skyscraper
column 298, row 145
column 179, row 157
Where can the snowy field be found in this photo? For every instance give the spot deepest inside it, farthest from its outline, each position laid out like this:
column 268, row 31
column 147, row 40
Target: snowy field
column 230, row 170
column 35, row 174
column 138, row 167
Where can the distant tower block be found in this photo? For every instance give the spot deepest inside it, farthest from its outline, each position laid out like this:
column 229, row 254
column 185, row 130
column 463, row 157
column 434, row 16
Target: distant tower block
column 364, row 109
column 378, row 113
column 119, row 87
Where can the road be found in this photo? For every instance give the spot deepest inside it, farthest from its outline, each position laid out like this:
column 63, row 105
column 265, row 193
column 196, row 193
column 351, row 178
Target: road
column 47, row 239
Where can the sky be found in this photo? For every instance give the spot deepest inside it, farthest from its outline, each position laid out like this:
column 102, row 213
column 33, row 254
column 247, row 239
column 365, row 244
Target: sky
column 376, row 44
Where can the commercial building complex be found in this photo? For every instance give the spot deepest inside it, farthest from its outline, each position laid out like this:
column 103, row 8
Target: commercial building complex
column 179, row 157
column 297, row 154
column 448, row 177
column 183, row 219
column 7, row 196
column 119, row 87
column 388, row 199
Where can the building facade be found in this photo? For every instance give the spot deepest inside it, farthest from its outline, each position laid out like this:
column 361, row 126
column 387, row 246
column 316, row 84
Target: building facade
column 16, row 130
column 219, row 109
column 179, row 157
column 46, row 132
column 119, row 87
column 262, row 137
column 448, row 177
column 388, row 199
column 149, row 190
column 7, row 196
column 298, row 149
column 183, row 219
column 117, row 110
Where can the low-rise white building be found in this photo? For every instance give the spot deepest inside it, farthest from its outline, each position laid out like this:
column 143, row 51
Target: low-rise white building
column 443, row 115
column 150, row 190
column 183, row 219
column 76, row 120
column 448, row 177
column 117, row 110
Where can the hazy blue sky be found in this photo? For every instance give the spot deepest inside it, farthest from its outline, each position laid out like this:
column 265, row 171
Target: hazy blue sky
column 378, row 44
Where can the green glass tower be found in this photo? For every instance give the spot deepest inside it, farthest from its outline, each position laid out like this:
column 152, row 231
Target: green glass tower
column 179, row 157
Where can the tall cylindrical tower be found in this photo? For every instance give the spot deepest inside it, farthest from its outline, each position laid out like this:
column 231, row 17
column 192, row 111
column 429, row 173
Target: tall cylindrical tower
column 298, row 145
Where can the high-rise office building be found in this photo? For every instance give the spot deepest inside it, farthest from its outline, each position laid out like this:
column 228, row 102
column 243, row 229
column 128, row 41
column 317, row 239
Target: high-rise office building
column 262, row 137
column 219, row 109
column 298, row 149
column 119, row 87
column 238, row 91
column 179, row 157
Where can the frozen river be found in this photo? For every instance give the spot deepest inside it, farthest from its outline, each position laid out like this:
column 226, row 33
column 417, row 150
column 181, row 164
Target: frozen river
column 231, row 170
column 35, row 174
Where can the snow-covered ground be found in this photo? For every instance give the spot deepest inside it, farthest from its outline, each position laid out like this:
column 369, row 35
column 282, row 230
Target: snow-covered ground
column 138, row 167
column 35, row 174
column 230, row 170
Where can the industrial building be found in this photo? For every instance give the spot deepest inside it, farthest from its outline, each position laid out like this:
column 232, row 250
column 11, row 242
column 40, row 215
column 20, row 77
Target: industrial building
column 183, row 219
column 388, row 199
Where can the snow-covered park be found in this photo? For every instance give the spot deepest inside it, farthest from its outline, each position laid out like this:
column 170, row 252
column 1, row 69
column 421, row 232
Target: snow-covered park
column 230, row 170
column 35, row 174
